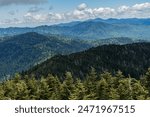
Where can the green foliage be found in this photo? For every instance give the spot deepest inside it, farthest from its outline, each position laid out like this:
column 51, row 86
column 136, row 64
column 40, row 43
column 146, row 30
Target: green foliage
column 67, row 86
column 21, row 52
column 130, row 59
column 96, row 86
column 78, row 92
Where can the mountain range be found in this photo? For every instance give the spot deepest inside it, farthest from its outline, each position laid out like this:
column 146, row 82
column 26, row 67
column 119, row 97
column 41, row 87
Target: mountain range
column 131, row 59
column 23, row 48
column 23, row 51
column 91, row 29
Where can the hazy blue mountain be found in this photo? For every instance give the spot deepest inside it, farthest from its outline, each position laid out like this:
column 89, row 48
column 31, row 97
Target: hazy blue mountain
column 23, row 51
column 70, row 24
column 92, row 29
column 132, row 21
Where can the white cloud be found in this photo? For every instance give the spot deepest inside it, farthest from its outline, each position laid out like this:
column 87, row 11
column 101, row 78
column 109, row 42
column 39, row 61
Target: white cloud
column 137, row 10
column 82, row 6
column 83, row 12
column 10, row 21
column 104, row 12
column 31, row 17
column 141, row 6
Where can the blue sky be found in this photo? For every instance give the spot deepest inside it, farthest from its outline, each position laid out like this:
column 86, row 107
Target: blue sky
column 46, row 12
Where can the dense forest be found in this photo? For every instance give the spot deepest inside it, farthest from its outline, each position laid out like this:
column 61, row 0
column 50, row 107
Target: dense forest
column 20, row 52
column 115, row 70
column 104, row 86
column 133, row 59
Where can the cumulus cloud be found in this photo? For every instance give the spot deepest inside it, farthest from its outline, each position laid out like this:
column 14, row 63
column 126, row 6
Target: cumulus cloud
column 30, row 17
column 83, row 12
column 11, row 21
column 142, row 6
column 137, row 10
column 82, row 6
column 10, row 2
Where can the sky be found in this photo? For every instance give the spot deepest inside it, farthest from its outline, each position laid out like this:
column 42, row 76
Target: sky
column 30, row 13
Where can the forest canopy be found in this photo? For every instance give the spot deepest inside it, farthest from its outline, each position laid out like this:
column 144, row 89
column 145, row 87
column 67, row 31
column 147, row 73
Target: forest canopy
column 95, row 86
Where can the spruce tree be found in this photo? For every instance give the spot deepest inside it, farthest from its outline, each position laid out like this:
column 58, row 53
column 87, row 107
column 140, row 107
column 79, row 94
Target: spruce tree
column 67, row 87
column 102, row 90
column 125, row 89
column 90, row 84
column 78, row 92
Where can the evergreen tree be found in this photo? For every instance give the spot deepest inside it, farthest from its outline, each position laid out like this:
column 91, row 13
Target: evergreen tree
column 125, row 89
column 44, row 89
column 54, row 85
column 79, row 91
column 146, row 81
column 9, row 88
column 90, row 84
column 102, row 90
column 113, row 94
column 139, row 92
column 2, row 92
column 67, row 86
column 33, row 87
column 21, row 90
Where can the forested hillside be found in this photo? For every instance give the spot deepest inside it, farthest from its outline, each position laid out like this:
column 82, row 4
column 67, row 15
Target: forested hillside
column 131, row 59
column 23, row 51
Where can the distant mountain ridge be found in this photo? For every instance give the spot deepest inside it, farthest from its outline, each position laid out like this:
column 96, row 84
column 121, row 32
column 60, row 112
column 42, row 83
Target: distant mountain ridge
column 133, row 21
column 91, row 29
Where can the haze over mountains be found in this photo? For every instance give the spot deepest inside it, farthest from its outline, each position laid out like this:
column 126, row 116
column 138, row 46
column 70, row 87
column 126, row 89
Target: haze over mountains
column 23, row 51
column 22, row 48
column 91, row 29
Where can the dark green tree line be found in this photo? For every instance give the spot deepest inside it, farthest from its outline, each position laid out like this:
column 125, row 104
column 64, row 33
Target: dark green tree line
column 95, row 86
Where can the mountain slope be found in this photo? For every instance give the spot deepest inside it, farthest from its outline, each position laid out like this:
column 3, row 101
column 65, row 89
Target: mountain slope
column 133, row 59
column 133, row 21
column 23, row 51
column 92, row 29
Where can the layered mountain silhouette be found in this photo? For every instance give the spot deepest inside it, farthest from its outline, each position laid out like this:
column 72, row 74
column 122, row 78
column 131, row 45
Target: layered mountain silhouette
column 131, row 59
column 91, row 29
column 20, row 52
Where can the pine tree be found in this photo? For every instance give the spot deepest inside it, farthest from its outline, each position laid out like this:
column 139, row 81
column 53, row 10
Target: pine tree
column 17, row 77
column 44, row 89
column 145, row 80
column 113, row 94
column 2, row 92
column 125, row 89
column 102, row 90
column 67, row 87
column 21, row 90
column 90, row 84
column 33, row 87
column 79, row 91
column 9, row 88
column 138, row 91
column 54, row 85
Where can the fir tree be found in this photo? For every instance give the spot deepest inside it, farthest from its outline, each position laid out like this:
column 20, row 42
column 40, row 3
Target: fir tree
column 79, row 91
